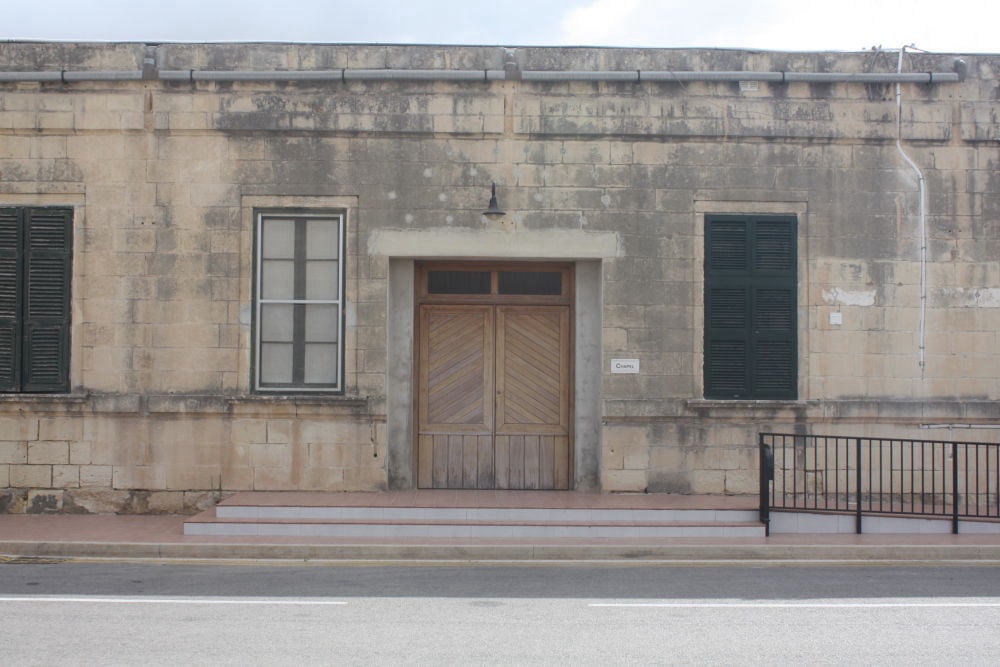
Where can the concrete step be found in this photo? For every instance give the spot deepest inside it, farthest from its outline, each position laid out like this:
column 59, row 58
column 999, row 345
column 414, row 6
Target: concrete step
column 428, row 526
column 491, row 514
column 534, row 515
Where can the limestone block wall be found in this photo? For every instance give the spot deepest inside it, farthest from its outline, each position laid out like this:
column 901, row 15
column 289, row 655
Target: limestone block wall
column 164, row 176
column 166, row 454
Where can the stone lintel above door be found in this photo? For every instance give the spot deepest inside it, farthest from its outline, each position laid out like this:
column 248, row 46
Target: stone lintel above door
column 451, row 242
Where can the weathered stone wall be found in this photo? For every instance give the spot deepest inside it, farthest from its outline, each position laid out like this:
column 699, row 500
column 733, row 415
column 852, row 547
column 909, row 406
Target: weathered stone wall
column 164, row 177
column 170, row 453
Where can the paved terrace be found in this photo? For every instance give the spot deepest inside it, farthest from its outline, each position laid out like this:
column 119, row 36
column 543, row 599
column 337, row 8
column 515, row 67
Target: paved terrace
column 162, row 537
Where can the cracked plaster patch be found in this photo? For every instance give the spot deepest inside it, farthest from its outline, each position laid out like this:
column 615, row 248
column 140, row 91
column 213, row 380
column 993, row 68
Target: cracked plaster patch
column 849, row 297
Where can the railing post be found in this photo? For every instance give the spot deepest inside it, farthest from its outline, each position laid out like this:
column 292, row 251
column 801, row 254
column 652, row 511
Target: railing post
column 766, row 475
column 954, row 488
column 857, row 489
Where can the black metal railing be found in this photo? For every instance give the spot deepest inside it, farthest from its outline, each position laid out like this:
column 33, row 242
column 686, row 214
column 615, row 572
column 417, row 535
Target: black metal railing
column 930, row 478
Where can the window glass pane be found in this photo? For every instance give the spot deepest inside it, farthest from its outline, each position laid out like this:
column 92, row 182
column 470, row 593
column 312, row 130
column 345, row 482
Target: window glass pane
column 323, row 239
column 277, row 279
column 531, row 282
column 279, row 239
column 321, row 363
column 321, row 324
column 458, row 282
column 321, row 280
column 276, row 322
column 275, row 363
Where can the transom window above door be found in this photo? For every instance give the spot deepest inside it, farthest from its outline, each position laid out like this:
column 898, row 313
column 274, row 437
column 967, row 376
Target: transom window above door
column 513, row 282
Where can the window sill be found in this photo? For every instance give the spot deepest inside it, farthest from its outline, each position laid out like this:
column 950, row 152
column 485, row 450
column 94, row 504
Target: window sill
column 705, row 407
column 704, row 403
column 303, row 399
column 68, row 402
column 84, row 402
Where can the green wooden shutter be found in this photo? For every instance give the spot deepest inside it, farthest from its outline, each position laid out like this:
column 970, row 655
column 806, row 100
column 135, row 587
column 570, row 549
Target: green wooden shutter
column 750, row 307
column 774, row 360
column 727, row 309
column 47, row 269
column 10, row 288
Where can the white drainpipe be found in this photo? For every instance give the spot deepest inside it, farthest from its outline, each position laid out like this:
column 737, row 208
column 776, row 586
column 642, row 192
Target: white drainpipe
column 922, row 208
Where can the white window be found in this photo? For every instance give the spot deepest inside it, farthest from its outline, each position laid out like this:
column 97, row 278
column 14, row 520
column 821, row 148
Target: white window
column 299, row 314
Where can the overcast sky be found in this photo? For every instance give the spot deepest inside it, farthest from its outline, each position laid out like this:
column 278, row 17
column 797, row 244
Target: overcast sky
column 969, row 26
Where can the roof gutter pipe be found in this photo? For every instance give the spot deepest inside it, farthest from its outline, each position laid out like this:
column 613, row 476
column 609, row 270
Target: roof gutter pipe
column 968, row 426
column 627, row 76
column 68, row 76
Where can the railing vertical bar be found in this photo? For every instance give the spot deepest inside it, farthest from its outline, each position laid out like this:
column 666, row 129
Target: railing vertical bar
column 965, row 468
column 933, row 481
column 871, row 473
column 784, row 471
column 815, row 444
column 913, row 505
column 893, row 490
column 829, row 494
column 771, row 495
column 944, row 480
column 881, row 474
column 836, row 478
column 923, row 478
column 954, row 488
column 826, row 473
column 774, row 487
column 795, row 475
column 969, row 483
column 976, row 505
column 892, row 475
column 764, row 484
column 857, row 472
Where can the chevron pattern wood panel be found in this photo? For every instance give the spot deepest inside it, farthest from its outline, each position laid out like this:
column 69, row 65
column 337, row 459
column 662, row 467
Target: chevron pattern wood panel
column 457, row 367
column 532, row 369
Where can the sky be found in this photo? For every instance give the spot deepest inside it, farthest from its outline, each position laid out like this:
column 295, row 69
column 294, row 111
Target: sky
column 970, row 26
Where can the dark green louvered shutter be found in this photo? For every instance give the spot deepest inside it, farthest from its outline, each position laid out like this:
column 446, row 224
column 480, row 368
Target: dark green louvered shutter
column 49, row 235
column 35, row 272
column 750, row 308
column 10, row 289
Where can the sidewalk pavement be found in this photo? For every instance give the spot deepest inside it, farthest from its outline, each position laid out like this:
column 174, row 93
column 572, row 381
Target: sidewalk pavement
column 162, row 537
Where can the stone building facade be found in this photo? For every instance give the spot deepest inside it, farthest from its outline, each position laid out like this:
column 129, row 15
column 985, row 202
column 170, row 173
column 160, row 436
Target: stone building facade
column 259, row 266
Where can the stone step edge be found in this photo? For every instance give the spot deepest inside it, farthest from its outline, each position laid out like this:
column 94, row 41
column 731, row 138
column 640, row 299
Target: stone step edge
column 391, row 513
column 462, row 522
column 529, row 500
column 553, row 550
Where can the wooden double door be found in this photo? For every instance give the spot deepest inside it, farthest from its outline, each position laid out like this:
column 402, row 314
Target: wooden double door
column 494, row 382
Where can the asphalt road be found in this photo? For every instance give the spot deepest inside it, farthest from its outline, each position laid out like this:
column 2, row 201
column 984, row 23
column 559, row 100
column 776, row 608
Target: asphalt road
column 129, row 613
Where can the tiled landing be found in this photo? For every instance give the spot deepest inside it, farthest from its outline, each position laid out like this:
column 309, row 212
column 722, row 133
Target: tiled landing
column 536, row 515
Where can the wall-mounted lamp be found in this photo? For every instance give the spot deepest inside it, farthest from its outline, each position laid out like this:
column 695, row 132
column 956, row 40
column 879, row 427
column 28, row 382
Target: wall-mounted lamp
column 494, row 207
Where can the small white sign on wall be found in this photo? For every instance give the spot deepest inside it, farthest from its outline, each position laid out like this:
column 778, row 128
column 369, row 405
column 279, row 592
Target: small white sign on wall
column 624, row 365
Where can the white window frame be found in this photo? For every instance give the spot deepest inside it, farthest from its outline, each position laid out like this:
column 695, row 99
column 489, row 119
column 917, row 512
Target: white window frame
column 259, row 302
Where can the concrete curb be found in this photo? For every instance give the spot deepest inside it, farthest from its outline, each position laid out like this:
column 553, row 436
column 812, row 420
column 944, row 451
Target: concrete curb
column 524, row 552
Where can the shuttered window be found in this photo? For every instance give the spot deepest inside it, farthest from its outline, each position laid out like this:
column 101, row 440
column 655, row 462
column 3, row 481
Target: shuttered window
column 35, row 270
column 299, row 302
column 751, row 349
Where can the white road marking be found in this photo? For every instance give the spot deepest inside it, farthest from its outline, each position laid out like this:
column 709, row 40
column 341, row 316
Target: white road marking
column 140, row 600
column 797, row 605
